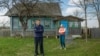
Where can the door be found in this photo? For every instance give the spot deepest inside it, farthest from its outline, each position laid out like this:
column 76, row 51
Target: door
column 65, row 24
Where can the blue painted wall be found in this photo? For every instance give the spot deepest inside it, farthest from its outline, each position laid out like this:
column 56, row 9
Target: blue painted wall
column 65, row 24
column 47, row 22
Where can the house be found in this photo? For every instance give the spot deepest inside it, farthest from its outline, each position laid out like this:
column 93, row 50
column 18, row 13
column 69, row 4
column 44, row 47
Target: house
column 72, row 24
column 50, row 16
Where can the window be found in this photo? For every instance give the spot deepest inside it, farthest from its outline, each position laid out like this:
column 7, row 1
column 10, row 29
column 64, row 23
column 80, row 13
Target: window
column 73, row 24
column 70, row 24
column 76, row 24
column 54, row 24
column 15, row 23
column 20, row 25
column 47, row 24
column 33, row 23
column 29, row 24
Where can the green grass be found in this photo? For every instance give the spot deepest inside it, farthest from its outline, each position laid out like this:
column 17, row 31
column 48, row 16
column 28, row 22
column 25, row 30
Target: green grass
column 25, row 47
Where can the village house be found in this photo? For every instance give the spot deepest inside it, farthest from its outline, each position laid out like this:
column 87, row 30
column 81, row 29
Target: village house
column 51, row 18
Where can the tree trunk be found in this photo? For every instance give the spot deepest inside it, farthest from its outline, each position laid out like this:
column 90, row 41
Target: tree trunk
column 23, row 33
column 24, row 27
column 86, row 34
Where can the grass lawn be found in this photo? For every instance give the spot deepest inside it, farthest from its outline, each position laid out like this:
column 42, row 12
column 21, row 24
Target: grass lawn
column 25, row 47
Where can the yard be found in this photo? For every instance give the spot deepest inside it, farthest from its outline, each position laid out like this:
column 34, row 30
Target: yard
column 25, row 47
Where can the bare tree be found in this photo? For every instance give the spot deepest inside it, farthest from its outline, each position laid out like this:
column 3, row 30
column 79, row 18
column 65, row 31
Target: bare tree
column 83, row 4
column 96, row 5
column 78, row 13
column 28, row 5
column 4, row 24
column 24, row 8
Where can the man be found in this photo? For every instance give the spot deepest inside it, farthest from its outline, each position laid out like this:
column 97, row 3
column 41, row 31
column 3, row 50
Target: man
column 38, row 30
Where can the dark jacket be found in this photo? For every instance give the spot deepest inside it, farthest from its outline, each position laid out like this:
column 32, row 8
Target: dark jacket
column 38, row 30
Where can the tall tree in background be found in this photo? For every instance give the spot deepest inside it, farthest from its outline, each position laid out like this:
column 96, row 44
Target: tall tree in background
column 96, row 6
column 83, row 4
column 77, row 13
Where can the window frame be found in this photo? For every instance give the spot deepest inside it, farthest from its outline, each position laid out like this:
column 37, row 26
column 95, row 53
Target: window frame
column 45, row 22
column 72, row 24
column 15, row 23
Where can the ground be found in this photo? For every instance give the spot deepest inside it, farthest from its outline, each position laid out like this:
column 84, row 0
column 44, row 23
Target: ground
column 25, row 47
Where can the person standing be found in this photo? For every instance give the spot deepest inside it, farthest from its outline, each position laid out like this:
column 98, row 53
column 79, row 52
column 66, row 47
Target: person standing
column 38, row 31
column 62, row 31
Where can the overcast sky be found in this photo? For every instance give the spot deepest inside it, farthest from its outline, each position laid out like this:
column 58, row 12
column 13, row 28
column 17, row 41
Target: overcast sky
column 66, row 10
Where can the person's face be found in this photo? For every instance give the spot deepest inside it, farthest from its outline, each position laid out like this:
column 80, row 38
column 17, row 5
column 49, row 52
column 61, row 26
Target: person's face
column 37, row 22
column 61, row 25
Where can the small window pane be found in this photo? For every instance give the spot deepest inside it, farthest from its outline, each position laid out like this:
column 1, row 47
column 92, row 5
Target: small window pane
column 29, row 24
column 33, row 24
column 70, row 24
column 15, row 23
column 47, row 24
column 20, row 25
column 76, row 24
column 73, row 24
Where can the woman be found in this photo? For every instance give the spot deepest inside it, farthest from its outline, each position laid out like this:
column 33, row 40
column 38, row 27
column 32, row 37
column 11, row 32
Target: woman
column 62, row 31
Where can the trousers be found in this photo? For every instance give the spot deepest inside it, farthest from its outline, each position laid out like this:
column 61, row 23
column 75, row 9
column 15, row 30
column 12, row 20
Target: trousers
column 39, row 43
column 62, row 41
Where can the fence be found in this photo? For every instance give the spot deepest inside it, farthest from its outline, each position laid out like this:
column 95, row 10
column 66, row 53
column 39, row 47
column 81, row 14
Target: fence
column 4, row 32
column 95, row 33
column 75, row 31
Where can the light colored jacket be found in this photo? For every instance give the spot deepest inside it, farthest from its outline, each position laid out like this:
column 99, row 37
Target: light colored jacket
column 62, row 30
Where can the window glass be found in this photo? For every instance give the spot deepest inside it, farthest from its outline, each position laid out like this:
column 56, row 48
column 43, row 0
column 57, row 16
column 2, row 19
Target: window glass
column 54, row 24
column 76, row 24
column 73, row 24
column 47, row 24
column 33, row 23
column 70, row 24
column 15, row 23
column 20, row 25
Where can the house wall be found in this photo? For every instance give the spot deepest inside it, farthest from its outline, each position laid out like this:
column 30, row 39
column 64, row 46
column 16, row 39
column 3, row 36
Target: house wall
column 74, row 27
column 50, row 26
column 48, row 23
